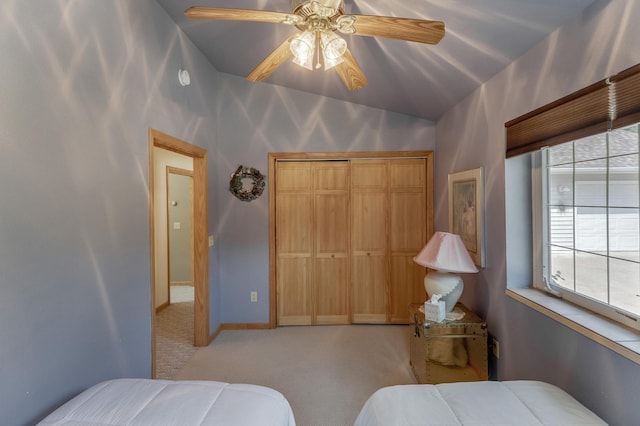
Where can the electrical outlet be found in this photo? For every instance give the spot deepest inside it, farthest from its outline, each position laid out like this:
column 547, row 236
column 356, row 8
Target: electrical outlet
column 496, row 348
column 254, row 296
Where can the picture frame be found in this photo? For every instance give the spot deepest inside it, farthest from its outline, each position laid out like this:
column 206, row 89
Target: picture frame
column 466, row 211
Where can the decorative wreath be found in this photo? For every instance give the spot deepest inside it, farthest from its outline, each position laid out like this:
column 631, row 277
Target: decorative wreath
column 237, row 188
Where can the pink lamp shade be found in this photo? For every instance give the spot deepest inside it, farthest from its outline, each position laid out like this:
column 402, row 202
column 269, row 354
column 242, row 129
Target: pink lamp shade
column 445, row 252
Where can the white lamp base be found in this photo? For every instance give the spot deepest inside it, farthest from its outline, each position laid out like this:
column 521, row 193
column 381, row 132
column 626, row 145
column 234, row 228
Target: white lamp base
column 448, row 285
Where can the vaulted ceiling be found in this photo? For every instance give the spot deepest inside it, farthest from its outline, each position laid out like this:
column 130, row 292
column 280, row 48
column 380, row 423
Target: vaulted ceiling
column 482, row 37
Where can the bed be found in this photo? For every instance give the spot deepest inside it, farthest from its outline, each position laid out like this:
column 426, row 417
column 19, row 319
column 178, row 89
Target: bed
column 475, row 403
column 164, row 402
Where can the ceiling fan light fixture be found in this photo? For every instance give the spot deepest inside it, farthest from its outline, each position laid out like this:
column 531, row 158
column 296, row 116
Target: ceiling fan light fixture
column 330, row 63
column 318, row 20
column 333, row 46
column 303, row 47
column 304, row 63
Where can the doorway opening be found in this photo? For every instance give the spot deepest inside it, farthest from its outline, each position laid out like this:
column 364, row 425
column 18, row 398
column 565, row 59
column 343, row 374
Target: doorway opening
column 166, row 155
column 174, row 290
column 180, row 231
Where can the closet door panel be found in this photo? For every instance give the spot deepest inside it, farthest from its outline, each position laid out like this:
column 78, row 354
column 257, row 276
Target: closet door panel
column 294, row 254
column 368, row 175
column 369, row 281
column 331, row 297
column 407, row 174
column 404, row 270
column 408, row 227
column 407, row 204
column 293, row 176
column 294, row 249
column 331, row 233
column 331, row 277
column 369, row 224
column 294, row 229
column 294, row 290
column 407, row 224
column 332, row 224
column 331, row 176
column 369, row 257
column 369, row 241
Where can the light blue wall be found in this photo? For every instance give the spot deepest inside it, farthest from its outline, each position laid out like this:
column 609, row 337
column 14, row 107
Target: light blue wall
column 80, row 84
column 603, row 41
column 262, row 118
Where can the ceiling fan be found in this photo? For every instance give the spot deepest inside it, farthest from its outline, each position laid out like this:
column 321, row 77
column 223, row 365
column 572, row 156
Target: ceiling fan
column 317, row 41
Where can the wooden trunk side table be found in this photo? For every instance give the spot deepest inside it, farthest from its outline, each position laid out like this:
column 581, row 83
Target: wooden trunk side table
column 448, row 351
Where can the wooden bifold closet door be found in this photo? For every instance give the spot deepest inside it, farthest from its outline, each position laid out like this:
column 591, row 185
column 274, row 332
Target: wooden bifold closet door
column 388, row 229
column 312, row 234
column 346, row 232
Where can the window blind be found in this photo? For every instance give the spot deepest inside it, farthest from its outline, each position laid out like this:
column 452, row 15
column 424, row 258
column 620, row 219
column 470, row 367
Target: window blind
column 610, row 103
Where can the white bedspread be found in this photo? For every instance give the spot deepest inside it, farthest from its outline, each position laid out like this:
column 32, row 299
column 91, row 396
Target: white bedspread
column 164, row 402
column 475, row 403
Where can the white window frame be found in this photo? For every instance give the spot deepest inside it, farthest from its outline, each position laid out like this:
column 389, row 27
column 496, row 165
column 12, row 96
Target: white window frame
column 541, row 256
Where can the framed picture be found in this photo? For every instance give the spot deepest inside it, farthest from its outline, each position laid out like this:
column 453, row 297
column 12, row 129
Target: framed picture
column 466, row 211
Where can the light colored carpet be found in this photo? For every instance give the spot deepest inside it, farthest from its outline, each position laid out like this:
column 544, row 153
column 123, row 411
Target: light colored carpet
column 174, row 333
column 326, row 372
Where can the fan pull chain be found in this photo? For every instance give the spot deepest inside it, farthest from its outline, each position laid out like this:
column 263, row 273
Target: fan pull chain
column 318, row 47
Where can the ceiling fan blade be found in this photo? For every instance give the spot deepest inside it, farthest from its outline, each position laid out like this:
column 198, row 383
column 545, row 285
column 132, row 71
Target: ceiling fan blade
column 351, row 73
column 421, row 31
column 226, row 14
column 271, row 62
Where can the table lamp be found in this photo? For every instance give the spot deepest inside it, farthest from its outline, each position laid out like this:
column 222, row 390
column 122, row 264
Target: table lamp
column 446, row 253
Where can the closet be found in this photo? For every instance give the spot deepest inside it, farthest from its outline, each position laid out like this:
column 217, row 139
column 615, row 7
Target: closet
column 344, row 231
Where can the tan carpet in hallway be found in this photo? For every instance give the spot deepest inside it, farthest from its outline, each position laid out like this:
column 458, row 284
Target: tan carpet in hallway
column 326, row 372
column 174, row 333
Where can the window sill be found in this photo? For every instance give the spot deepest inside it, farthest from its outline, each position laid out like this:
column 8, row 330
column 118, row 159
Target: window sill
column 619, row 338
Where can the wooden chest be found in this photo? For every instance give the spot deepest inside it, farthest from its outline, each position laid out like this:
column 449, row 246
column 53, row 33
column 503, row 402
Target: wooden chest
column 449, row 351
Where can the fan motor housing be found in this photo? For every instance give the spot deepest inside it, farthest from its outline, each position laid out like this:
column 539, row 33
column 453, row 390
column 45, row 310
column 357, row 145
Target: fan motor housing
column 303, row 7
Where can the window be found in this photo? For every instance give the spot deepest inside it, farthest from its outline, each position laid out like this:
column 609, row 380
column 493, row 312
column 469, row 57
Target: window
column 585, row 204
column 591, row 222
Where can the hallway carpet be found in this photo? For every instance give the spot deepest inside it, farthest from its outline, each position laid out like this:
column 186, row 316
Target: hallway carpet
column 174, row 333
